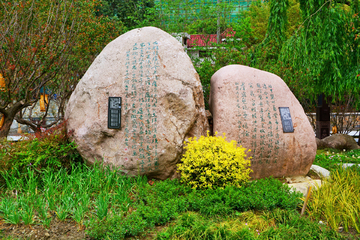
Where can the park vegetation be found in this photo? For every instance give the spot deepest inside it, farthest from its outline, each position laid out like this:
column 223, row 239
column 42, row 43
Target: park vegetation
column 46, row 183
column 48, row 45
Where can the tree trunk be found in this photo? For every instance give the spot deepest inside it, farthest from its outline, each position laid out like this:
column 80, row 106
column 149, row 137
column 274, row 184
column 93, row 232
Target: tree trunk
column 9, row 116
column 5, row 129
column 322, row 118
column 38, row 133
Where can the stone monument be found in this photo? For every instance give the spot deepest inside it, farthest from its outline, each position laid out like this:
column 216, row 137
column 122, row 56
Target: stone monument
column 258, row 110
column 137, row 103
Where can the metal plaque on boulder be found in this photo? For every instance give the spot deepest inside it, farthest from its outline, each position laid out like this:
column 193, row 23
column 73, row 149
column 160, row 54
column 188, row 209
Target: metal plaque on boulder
column 114, row 113
column 286, row 120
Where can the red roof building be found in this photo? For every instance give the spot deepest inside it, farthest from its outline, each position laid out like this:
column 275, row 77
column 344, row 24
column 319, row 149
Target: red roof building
column 207, row 40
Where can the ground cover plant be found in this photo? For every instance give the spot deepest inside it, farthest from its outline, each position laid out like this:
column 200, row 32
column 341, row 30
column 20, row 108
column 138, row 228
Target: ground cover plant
column 98, row 198
column 276, row 224
column 331, row 158
column 97, row 202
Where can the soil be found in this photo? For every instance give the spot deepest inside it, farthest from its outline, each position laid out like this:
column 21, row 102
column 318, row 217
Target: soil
column 59, row 230
column 69, row 229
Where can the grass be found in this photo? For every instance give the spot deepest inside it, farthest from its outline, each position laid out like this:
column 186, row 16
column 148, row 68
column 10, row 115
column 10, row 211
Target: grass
column 112, row 206
column 276, row 224
column 337, row 202
column 331, row 158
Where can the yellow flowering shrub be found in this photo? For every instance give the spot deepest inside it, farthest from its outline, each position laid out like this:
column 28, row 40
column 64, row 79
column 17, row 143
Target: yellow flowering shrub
column 211, row 162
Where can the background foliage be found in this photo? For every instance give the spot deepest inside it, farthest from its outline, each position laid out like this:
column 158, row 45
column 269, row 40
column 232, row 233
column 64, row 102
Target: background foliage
column 46, row 44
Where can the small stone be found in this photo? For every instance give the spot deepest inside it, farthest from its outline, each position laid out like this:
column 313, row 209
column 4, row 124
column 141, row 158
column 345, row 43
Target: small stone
column 339, row 141
column 322, row 172
column 47, row 234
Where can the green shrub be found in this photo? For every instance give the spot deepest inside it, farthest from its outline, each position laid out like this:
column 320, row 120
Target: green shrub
column 213, row 162
column 52, row 150
column 276, row 224
column 262, row 194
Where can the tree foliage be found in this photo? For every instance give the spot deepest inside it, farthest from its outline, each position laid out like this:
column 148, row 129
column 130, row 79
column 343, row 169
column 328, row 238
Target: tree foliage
column 254, row 44
column 45, row 45
column 324, row 52
column 194, row 17
column 132, row 13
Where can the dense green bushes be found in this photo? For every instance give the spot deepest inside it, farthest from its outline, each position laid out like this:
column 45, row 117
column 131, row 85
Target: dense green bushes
column 277, row 224
column 166, row 200
column 102, row 198
column 52, row 150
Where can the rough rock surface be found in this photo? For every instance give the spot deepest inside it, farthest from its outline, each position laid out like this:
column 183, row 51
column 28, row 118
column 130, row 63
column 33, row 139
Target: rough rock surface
column 346, row 165
column 244, row 103
column 162, row 104
column 338, row 141
column 302, row 184
column 322, row 172
column 320, row 144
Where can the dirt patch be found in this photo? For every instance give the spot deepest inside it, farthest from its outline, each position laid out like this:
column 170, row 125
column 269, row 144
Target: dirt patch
column 67, row 229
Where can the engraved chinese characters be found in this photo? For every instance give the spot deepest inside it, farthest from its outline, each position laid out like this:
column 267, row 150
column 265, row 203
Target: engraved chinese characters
column 141, row 79
column 258, row 109
column 245, row 105
column 161, row 105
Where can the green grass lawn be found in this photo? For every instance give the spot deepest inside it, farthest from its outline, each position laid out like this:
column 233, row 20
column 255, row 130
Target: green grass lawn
column 331, row 158
column 112, row 206
column 108, row 205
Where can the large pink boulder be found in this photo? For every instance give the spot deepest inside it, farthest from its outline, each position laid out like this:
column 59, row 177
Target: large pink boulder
column 245, row 104
column 162, row 104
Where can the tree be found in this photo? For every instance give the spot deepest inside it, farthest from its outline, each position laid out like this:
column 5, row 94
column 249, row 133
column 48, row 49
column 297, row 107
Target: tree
column 194, row 17
column 323, row 55
column 254, row 44
column 132, row 13
column 46, row 44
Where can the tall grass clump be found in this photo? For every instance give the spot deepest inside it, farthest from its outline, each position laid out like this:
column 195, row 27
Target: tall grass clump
column 51, row 150
column 337, row 202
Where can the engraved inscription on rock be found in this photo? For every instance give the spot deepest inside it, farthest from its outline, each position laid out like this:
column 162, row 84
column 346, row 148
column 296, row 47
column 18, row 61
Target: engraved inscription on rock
column 256, row 107
column 141, row 77
column 137, row 103
column 280, row 143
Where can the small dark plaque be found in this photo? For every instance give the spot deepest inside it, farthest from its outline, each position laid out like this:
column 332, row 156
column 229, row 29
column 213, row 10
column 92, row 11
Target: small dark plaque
column 286, row 120
column 114, row 113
